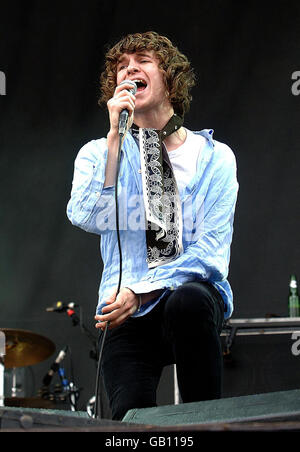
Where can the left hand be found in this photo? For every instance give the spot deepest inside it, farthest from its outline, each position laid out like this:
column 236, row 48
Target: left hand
column 118, row 309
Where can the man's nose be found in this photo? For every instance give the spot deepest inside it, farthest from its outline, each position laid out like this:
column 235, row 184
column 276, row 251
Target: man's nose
column 132, row 69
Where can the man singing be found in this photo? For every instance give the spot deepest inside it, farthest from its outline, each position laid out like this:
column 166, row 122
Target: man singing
column 177, row 192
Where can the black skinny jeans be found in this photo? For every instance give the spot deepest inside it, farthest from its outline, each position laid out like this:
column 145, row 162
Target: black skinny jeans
column 184, row 328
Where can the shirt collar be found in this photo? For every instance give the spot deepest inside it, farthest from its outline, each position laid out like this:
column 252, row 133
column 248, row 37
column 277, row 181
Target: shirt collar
column 208, row 134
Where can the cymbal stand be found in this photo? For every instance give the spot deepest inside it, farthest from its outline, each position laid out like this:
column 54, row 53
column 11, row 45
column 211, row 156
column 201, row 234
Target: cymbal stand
column 78, row 320
column 14, row 383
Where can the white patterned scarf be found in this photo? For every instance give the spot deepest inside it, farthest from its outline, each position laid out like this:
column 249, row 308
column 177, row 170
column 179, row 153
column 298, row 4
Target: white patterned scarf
column 160, row 194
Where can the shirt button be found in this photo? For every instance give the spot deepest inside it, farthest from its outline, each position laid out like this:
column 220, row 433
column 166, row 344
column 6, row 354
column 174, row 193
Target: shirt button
column 140, row 171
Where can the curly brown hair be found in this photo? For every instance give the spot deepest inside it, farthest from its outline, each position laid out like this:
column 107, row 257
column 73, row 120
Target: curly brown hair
column 178, row 75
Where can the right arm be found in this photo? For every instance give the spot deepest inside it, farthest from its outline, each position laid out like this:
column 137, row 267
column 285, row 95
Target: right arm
column 95, row 169
column 122, row 100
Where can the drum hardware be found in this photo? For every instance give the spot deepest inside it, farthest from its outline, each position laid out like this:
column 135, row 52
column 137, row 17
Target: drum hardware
column 28, row 402
column 69, row 309
column 24, row 348
column 65, row 391
column 20, row 349
column 90, row 408
column 56, row 394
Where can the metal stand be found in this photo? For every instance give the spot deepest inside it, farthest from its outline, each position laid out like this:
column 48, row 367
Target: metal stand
column 14, row 387
column 176, row 388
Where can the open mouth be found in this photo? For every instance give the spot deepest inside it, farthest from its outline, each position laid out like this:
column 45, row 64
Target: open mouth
column 141, row 85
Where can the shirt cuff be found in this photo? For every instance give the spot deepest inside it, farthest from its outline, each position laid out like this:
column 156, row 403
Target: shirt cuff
column 146, row 286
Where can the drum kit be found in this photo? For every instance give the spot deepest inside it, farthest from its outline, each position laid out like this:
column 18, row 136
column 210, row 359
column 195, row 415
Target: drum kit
column 21, row 349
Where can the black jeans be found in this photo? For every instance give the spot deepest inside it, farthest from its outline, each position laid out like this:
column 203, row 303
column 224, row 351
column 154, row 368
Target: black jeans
column 184, row 328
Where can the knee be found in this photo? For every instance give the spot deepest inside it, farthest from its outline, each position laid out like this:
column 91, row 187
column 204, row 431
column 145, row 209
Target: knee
column 191, row 302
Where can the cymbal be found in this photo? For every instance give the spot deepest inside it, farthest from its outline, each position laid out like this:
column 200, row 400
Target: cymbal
column 24, row 348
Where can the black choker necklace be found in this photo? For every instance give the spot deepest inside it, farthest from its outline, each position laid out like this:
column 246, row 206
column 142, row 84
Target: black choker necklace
column 174, row 124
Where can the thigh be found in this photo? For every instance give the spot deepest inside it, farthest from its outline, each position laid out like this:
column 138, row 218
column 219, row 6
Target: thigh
column 194, row 304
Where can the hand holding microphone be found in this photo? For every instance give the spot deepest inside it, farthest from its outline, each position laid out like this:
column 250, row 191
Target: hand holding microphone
column 124, row 115
column 121, row 106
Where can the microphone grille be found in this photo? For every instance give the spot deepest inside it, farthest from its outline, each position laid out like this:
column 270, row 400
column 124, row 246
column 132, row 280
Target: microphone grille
column 130, row 82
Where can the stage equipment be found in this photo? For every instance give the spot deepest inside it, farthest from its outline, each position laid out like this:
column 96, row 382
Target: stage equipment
column 24, row 348
column 2, row 355
column 28, row 402
column 20, row 349
column 279, row 406
column 68, row 390
column 235, row 383
column 259, row 326
column 279, row 411
column 22, row 419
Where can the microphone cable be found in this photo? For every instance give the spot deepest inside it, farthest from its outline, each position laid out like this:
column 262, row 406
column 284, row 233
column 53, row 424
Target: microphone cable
column 102, row 335
column 122, row 131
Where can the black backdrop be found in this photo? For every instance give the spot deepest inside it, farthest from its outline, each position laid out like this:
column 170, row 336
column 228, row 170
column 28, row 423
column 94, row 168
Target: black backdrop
column 244, row 54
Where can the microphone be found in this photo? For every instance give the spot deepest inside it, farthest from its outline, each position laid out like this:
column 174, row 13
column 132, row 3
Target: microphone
column 55, row 366
column 75, row 320
column 125, row 113
column 61, row 307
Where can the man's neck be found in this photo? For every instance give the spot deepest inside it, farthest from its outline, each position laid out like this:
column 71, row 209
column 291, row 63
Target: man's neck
column 158, row 122
column 153, row 119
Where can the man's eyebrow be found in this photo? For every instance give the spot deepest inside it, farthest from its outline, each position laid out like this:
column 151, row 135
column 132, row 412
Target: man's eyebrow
column 122, row 58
